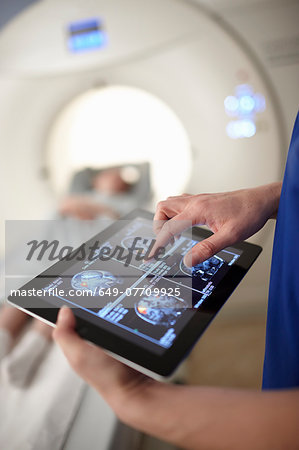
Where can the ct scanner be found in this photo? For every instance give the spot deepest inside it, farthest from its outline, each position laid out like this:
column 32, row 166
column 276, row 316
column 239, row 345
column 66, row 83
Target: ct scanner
column 174, row 51
column 172, row 56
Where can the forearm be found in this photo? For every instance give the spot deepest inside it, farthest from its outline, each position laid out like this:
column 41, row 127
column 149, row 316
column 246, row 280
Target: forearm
column 216, row 419
column 271, row 195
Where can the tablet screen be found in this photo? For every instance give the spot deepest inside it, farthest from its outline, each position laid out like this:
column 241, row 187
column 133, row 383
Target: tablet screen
column 145, row 302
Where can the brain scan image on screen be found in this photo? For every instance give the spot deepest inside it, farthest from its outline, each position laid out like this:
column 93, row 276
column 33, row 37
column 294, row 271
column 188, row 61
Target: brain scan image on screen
column 143, row 244
column 94, row 280
column 161, row 309
column 205, row 270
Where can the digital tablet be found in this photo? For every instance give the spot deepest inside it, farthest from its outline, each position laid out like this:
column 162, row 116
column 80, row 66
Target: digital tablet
column 148, row 314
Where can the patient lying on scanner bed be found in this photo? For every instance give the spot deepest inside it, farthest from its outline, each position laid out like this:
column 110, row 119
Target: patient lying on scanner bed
column 110, row 192
column 26, row 344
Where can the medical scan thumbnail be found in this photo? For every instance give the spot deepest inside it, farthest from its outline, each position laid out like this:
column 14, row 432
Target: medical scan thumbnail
column 160, row 309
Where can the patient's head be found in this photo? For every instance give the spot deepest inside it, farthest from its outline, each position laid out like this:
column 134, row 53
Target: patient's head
column 110, row 181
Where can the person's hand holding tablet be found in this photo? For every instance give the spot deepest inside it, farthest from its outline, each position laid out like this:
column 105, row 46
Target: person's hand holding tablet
column 116, row 382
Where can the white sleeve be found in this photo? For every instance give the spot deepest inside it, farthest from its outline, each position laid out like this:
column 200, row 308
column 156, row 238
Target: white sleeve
column 5, row 343
column 21, row 364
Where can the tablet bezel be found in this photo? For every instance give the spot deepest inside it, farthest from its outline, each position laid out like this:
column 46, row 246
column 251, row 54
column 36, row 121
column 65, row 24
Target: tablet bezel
column 96, row 330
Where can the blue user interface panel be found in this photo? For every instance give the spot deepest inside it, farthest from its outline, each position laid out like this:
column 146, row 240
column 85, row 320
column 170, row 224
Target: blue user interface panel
column 86, row 35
